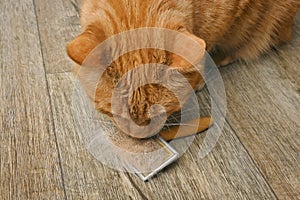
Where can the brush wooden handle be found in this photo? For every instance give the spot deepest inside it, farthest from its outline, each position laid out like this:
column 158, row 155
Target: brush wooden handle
column 203, row 124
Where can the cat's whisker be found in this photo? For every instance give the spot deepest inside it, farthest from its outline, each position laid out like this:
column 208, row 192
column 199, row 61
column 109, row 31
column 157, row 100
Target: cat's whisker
column 188, row 110
column 180, row 124
column 180, row 114
column 174, row 118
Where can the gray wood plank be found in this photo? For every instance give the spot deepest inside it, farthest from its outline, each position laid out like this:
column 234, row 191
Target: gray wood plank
column 263, row 109
column 29, row 161
column 58, row 24
column 227, row 173
column 85, row 177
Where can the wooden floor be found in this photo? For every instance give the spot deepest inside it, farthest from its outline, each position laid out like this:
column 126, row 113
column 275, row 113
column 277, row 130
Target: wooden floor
column 42, row 155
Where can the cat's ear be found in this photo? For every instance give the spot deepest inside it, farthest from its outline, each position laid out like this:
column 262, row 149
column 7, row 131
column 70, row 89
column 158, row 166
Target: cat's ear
column 195, row 49
column 82, row 45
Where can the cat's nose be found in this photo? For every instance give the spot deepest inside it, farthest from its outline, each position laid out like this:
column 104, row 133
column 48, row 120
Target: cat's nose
column 141, row 121
column 140, row 126
column 137, row 118
column 143, row 117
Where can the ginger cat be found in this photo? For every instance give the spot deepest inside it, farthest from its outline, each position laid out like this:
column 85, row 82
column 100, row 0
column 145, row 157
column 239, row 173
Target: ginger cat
column 240, row 29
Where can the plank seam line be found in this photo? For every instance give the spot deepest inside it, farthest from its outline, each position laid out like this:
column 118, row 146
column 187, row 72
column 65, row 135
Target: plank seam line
column 135, row 186
column 252, row 159
column 75, row 6
column 50, row 100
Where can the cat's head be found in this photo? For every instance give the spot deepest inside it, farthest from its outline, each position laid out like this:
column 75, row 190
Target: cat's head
column 139, row 99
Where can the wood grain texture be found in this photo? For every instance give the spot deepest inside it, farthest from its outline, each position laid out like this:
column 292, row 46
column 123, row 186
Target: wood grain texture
column 58, row 22
column 227, row 173
column 85, row 177
column 29, row 161
column 42, row 150
column 263, row 109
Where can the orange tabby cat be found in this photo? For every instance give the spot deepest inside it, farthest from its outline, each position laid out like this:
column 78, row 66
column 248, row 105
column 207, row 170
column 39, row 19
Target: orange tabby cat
column 240, row 29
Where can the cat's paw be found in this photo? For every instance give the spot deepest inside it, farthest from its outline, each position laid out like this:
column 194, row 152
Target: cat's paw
column 221, row 59
column 200, row 87
column 226, row 61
